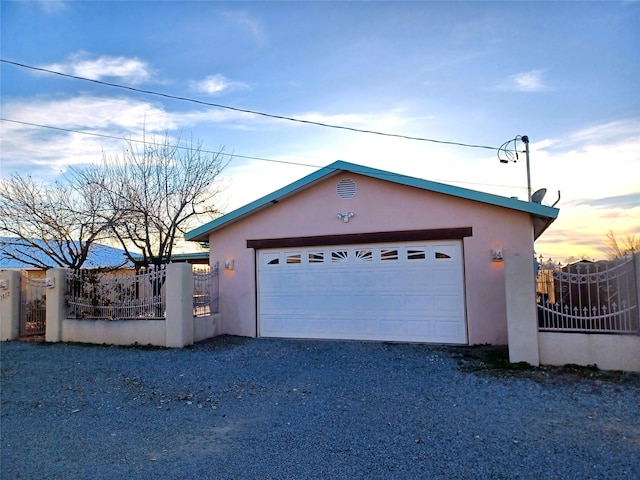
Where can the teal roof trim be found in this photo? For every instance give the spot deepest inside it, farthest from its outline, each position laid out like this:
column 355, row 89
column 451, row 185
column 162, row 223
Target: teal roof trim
column 536, row 209
column 201, row 232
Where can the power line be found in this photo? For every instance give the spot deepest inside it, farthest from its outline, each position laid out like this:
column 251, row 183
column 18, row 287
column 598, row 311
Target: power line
column 242, row 110
column 70, row 130
column 232, row 155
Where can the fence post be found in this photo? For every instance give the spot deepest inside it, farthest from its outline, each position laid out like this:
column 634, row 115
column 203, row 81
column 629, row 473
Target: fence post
column 10, row 304
column 179, row 319
column 56, row 285
column 522, row 314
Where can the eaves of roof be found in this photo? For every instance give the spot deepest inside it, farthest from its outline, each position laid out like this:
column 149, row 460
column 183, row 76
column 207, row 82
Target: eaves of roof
column 543, row 215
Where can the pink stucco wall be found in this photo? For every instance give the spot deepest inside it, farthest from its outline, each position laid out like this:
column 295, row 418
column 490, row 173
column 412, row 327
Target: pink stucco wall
column 378, row 206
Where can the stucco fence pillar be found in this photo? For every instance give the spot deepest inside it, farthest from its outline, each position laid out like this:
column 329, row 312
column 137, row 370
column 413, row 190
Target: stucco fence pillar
column 10, row 304
column 522, row 320
column 56, row 282
column 179, row 320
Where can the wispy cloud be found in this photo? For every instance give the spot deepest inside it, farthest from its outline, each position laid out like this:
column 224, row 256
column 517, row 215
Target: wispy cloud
column 43, row 151
column 631, row 200
column 531, row 81
column 609, row 132
column 132, row 70
column 53, row 6
column 90, row 112
column 217, row 84
column 245, row 22
column 384, row 121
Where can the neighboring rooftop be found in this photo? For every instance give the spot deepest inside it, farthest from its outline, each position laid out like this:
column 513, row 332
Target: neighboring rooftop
column 100, row 256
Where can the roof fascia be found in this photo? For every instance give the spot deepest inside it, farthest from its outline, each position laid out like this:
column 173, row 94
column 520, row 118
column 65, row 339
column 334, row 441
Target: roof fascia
column 512, row 203
column 201, row 233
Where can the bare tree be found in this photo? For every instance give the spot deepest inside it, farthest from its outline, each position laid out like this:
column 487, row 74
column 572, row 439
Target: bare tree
column 620, row 247
column 157, row 188
column 50, row 225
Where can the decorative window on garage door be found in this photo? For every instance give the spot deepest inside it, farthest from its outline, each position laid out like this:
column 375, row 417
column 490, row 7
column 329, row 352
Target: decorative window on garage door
column 364, row 255
column 339, row 256
column 293, row 258
column 315, row 257
column 417, row 253
column 444, row 252
column 271, row 258
column 389, row 254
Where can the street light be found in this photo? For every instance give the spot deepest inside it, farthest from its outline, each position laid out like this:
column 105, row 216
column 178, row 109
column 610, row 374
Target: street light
column 513, row 156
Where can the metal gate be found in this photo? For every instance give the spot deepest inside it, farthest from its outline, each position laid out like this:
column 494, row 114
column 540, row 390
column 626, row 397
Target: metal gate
column 33, row 305
column 588, row 297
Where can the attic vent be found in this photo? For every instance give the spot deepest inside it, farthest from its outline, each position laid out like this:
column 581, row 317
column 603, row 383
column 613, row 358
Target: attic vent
column 346, row 188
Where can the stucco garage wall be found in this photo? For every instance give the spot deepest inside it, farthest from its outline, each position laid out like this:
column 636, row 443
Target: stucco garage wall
column 378, row 206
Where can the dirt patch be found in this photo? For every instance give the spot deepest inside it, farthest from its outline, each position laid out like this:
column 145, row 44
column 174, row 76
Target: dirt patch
column 494, row 360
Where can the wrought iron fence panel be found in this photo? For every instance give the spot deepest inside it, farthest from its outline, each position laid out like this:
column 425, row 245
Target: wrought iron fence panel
column 205, row 290
column 116, row 295
column 588, row 297
column 33, row 304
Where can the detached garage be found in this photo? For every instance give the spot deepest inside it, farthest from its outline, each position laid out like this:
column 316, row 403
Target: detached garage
column 351, row 252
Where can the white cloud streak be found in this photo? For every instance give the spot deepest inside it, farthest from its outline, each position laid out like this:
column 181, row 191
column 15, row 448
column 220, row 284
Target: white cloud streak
column 53, row 6
column 132, row 70
column 531, row 81
column 246, row 23
column 217, row 84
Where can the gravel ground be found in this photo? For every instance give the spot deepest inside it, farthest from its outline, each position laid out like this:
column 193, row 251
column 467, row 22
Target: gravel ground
column 235, row 408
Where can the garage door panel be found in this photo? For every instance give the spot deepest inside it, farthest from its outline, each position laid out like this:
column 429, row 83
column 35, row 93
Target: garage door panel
column 421, row 329
column 446, row 330
column 447, row 304
column 403, row 292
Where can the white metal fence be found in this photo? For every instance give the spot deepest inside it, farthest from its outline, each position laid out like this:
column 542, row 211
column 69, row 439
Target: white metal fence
column 33, row 305
column 115, row 295
column 205, row 290
column 588, row 297
column 125, row 295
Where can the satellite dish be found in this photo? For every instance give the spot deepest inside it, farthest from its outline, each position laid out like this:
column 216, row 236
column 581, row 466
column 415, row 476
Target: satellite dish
column 538, row 195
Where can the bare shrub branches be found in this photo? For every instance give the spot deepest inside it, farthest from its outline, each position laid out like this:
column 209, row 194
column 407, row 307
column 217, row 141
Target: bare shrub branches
column 50, row 225
column 158, row 189
column 143, row 199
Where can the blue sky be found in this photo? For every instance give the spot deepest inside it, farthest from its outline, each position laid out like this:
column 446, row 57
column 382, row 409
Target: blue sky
column 567, row 74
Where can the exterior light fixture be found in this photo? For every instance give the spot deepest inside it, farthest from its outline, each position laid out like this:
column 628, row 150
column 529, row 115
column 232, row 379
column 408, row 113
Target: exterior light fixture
column 229, row 264
column 496, row 255
column 345, row 216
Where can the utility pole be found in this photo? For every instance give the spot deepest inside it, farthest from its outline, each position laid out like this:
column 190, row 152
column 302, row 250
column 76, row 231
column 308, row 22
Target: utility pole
column 505, row 156
column 525, row 140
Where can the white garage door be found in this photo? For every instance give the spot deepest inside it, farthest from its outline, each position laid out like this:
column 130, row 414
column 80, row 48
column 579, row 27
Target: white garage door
column 403, row 292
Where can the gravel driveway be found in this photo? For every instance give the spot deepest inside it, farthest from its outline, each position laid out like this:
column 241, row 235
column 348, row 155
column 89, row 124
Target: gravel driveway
column 235, row 408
